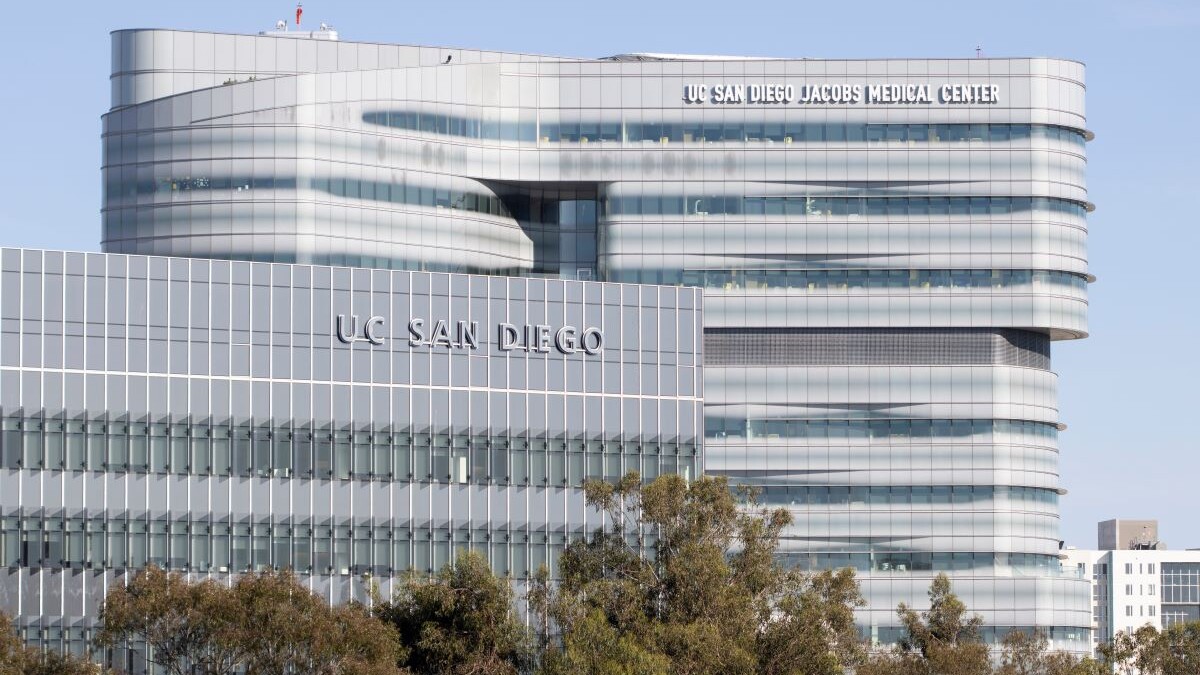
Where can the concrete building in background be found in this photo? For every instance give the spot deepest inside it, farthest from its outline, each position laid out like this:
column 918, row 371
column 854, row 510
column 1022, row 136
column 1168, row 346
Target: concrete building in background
column 887, row 250
column 1128, row 535
column 1139, row 581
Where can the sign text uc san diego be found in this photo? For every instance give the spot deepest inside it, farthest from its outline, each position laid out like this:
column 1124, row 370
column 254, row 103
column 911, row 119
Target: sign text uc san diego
column 540, row 338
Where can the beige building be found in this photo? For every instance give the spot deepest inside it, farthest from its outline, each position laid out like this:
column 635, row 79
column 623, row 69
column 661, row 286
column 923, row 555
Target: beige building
column 1128, row 535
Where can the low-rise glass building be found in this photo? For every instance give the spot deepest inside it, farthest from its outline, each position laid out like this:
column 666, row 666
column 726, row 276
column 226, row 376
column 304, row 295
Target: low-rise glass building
column 214, row 417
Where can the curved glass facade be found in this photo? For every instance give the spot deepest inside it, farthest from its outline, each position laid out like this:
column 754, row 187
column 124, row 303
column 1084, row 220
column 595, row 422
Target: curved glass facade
column 832, row 280
column 806, row 206
column 833, row 429
column 864, row 495
column 714, row 131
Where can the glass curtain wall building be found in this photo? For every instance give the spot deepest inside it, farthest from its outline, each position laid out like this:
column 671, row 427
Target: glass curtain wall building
column 213, row 417
column 887, row 250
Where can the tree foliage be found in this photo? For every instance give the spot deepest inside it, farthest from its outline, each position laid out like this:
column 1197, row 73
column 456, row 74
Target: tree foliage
column 287, row 629
column 18, row 659
column 945, row 640
column 12, row 650
column 684, row 580
column 186, row 624
column 265, row 624
column 945, row 637
column 680, row 578
column 1025, row 653
column 461, row 622
column 1150, row 651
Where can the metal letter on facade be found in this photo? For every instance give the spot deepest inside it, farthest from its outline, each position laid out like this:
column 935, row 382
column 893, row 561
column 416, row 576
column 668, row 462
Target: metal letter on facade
column 347, row 336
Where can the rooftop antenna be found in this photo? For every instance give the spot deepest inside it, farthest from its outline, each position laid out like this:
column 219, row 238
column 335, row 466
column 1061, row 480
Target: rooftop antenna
column 978, row 51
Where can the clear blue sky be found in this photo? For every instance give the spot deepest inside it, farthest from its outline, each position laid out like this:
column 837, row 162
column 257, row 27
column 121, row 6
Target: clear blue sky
column 1124, row 392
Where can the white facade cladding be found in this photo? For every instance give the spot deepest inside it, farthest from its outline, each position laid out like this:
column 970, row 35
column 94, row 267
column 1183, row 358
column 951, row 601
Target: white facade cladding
column 1135, row 588
column 887, row 250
